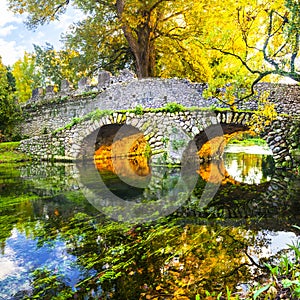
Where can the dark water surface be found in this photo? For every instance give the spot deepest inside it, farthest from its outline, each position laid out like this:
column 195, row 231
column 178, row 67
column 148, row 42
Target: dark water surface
column 57, row 244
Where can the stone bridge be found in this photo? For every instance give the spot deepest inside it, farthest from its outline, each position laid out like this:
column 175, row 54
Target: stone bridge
column 72, row 125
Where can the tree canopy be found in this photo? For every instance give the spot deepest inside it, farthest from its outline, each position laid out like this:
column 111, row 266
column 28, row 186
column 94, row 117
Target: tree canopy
column 130, row 33
column 265, row 42
column 236, row 43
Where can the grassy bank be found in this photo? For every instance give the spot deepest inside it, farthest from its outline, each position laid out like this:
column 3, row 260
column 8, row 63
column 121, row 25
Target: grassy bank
column 248, row 142
column 9, row 153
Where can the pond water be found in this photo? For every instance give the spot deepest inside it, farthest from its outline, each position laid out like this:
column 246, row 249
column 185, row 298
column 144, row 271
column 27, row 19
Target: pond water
column 58, row 243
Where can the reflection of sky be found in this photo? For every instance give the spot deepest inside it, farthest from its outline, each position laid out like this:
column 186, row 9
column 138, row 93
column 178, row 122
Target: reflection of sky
column 22, row 256
column 277, row 241
column 253, row 176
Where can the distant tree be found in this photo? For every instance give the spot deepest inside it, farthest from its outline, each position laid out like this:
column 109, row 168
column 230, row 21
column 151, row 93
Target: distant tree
column 54, row 66
column 8, row 108
column 11, row 79
column 27, row 77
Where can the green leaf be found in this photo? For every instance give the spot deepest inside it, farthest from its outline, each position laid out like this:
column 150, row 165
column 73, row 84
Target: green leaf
column 260, row 291
column 286, row 283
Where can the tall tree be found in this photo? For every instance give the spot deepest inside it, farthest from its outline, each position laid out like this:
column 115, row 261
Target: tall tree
column 122, row 32
column 26, row 76
column 237, row 42
column 8, row 108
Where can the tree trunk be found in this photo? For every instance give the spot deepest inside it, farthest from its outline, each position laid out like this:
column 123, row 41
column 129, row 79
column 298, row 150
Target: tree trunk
column 145, row 61
column 141, row 45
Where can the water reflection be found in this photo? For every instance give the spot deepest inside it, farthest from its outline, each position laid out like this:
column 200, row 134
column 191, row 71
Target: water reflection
column 249, row 164
column 54, row 242
column 133, row 171
column 245, row 164
column 22, row 255
column 249, row 168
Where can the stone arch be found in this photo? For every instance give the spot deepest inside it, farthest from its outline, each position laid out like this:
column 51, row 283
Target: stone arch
column 282, row 137
column 106, row 132
column 211, row 141
column 199, row 126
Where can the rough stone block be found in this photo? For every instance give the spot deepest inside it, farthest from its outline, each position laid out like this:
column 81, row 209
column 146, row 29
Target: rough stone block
column 37, row 94
column 49, row 90
column 65, row 87
column 104, row 80
column 83, row 84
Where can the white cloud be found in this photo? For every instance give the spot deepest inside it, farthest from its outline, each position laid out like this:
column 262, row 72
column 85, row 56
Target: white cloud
column 6, row 30
column 10, row 51
column 15, row 38
column 72, row 15
column 8, row 16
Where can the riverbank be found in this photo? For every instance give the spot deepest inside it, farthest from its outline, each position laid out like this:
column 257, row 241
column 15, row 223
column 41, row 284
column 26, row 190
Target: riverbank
column 10, row 154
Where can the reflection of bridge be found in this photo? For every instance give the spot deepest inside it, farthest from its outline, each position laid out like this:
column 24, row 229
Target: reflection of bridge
column 169, row 134
column 278, row 198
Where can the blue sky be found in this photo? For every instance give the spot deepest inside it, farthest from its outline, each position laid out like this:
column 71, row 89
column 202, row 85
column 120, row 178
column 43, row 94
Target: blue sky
column 15, row 38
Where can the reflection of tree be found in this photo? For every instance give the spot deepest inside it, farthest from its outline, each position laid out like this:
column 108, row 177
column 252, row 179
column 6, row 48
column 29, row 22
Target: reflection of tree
column 129, row 167
column 215, row 172
column 15, row 205
column 248, row 168
column 165, row 260
column 231, row 201
column 49, row 286
column 267, row 165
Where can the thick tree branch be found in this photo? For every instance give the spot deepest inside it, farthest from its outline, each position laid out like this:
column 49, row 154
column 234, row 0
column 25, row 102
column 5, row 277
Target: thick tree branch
column 295, row 52
column 274, row 30
column 244, row 63
column 120, row 4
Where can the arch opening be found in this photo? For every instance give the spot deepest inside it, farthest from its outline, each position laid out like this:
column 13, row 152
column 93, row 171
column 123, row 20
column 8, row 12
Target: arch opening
column 211, row 142
column 249, row 159
column 221, row 162
column 120, row 140
column 123, row 150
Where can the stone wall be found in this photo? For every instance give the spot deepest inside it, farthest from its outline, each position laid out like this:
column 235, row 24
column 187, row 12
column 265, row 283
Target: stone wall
column 47, row 112
column 168, row 135
column 283, row 138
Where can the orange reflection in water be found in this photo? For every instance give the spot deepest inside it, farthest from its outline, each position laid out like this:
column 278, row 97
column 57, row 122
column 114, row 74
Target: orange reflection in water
column 215, row 172
column 125, row 157
column 125, row 166
column 213, row 148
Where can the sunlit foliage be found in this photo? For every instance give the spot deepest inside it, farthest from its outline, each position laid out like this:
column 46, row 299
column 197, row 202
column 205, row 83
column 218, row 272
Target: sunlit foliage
column 55, row 66
column 261, row 38
column 27, row 77
column 232, row 45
